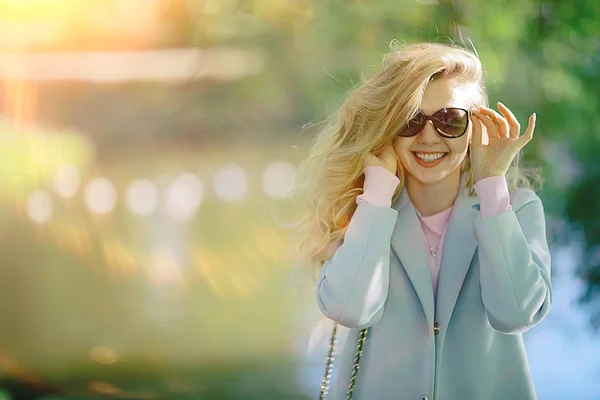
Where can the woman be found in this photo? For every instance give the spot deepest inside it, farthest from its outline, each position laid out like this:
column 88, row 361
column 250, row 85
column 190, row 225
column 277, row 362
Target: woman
column 427, row 234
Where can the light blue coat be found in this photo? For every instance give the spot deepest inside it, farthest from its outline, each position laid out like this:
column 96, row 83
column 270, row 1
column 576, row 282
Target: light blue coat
column 494, row 284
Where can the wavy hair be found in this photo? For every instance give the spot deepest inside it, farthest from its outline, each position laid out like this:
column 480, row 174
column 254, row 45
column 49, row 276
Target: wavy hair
column 331, row 177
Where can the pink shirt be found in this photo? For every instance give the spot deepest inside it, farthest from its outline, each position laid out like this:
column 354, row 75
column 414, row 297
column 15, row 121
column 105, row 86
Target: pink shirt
column 433, row 228
column 379, row 188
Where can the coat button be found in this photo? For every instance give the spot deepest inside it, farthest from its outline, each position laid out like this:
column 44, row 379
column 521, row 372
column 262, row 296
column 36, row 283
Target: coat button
column 436, row 328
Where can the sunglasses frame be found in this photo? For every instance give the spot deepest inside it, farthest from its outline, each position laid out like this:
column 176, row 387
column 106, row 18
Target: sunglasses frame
column 430, row 118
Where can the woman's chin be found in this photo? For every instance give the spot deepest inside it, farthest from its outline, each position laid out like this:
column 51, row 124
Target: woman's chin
column 427, row 177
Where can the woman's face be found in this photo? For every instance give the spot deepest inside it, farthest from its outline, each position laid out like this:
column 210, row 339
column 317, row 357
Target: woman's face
column 419, row 154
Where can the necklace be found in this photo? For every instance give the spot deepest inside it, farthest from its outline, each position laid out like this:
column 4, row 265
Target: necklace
column 432, row 250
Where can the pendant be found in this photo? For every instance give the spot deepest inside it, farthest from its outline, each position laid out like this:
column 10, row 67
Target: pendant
column 432, row 251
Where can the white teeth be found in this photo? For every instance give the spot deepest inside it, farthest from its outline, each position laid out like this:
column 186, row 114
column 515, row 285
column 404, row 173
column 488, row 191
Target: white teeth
column 430, row 157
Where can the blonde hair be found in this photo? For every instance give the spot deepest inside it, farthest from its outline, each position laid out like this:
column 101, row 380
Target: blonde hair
column 331, row 177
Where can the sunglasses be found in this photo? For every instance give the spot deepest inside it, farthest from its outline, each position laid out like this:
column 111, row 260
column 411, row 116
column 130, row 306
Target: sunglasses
column 448, row 122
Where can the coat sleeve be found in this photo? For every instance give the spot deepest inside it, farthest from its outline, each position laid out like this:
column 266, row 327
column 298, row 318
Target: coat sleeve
column 353, row 284
column 514, row 263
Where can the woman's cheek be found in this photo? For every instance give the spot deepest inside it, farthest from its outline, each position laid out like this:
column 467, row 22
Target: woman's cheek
column 404, row 160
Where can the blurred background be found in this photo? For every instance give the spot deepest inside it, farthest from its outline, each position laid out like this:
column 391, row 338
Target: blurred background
column 148, row 149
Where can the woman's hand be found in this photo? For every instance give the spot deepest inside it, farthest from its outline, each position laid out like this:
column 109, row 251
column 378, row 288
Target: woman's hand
column 496, row 141
column 386, row 159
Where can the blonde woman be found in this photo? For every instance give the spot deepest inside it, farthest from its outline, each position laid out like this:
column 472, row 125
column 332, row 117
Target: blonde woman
column 431, row 245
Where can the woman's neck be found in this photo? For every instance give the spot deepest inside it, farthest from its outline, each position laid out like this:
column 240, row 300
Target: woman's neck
column 430, row 199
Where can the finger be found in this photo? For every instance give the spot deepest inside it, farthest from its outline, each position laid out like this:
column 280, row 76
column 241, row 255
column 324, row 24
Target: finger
column 480, row 136
column 476, row 138
column 370, row 160
column 528, row 134
column 490, row 126
column 499, row 120
column 515, row 127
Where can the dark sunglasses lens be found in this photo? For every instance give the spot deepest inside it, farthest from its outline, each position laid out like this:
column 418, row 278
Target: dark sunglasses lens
column 451, row 121
column 413, row 127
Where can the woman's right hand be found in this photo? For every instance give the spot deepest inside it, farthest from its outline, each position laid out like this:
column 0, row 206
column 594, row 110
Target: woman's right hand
column 386, row 159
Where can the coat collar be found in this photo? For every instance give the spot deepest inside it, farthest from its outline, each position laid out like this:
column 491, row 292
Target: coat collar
column 459, row 247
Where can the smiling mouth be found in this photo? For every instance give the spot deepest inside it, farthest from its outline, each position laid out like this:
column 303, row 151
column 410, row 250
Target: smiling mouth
column 429, row 157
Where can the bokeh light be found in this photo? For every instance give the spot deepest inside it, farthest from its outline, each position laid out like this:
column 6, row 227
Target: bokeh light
column 183, row 196
column 231, row 183
column 39, row 206
column 278, row 179
column 66, row 181
column 100, row 196
column 142, row 197
column 104, row 388
column 103, row 355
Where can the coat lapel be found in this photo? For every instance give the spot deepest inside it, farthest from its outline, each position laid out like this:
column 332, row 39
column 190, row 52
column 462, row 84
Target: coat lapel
column 459, row 248
column 407, row 243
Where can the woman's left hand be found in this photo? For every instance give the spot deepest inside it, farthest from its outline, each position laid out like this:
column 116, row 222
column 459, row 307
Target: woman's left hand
column 496, row 141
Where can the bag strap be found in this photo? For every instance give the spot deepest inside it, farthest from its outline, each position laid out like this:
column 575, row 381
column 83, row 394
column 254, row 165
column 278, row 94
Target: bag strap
column 328, row 364
column 325, row 382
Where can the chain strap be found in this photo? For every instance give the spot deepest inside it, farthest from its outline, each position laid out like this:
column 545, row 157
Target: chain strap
column 362, row 336
column 328, row 364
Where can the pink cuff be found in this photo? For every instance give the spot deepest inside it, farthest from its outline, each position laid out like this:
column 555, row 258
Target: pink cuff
column 379, row 188
column 493, row 196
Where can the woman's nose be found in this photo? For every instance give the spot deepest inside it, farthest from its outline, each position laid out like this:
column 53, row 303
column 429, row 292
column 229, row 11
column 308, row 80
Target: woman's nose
column 428, row 134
